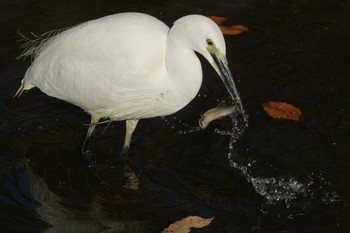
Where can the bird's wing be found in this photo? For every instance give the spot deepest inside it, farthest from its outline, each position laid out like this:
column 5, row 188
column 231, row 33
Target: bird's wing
column 87, row 63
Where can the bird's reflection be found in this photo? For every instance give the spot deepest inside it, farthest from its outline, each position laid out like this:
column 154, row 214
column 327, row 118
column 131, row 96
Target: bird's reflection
column 100, row 207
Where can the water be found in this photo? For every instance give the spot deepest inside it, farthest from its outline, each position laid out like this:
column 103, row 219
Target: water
column 279, row 176
column 286, row 190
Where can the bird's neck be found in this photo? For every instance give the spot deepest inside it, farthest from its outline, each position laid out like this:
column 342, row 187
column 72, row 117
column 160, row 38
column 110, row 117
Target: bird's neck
column 184, row 69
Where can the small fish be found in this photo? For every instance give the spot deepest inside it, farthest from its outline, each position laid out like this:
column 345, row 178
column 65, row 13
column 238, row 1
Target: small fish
column 214, row 114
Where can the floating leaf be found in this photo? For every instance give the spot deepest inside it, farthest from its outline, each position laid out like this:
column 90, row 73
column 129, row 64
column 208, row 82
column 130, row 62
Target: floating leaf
column 282, row 110
column 185, row 225
column 218, row 19
column 228, row 30
column 233, row 30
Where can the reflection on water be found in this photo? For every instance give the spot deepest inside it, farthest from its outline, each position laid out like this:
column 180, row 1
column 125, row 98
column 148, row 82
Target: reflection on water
column 65, row 217
column 280, row 176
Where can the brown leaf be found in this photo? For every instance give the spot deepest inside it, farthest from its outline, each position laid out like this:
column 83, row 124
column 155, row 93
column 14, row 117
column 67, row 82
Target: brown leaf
column 218, row 19
column 185, row 225
column 228, row 30
column 233, row 30
column 282, row 110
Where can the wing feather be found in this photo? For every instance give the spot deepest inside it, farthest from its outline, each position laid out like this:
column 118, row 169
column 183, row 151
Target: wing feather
column 109, row 67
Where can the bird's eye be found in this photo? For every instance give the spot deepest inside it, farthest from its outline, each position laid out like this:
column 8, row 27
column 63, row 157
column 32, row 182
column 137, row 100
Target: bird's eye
column 210, row 42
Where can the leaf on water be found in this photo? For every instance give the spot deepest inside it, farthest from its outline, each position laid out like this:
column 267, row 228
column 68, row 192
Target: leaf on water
column 218, row 19
column 185, row 225
column 282, row 110
column 228, row 30
column 233, row 30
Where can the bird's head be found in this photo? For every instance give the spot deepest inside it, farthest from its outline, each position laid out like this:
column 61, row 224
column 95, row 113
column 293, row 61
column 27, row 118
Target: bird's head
column 206, row 38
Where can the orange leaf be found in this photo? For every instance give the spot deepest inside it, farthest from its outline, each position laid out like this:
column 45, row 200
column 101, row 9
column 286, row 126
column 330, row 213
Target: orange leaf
column 282, row 110
column 233, row 30
column 228, row 30
column 218, row 19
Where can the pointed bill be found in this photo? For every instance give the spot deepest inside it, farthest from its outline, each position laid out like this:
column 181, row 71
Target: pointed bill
column 227, row 78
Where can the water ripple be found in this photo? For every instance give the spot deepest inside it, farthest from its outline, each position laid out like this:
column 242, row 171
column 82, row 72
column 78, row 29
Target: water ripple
column 47, row 131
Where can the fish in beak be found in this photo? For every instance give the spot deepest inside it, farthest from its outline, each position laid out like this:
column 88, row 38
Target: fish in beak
column 222, row 68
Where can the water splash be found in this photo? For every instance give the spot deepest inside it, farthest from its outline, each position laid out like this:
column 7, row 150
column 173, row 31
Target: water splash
column 239, row 122
column 182, row 127
column 278, row 189
column 273, row 189
column 298, row 197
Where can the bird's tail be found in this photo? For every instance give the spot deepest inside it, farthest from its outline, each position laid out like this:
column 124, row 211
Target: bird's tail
column 20, row 90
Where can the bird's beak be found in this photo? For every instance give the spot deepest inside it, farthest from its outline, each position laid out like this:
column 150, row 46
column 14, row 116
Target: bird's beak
column 225, row 74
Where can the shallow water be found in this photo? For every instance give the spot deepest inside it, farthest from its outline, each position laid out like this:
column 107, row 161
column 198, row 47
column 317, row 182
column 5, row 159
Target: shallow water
column 280, row 176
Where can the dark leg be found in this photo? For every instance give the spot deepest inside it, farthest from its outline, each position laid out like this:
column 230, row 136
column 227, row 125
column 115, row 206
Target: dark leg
column 85, row 150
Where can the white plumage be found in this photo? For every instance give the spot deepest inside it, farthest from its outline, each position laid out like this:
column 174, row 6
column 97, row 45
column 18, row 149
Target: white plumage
column 129, row 66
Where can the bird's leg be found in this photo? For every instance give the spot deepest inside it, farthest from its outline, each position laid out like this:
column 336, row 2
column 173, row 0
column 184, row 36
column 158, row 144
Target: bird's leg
column 132, row 182
column 130, row 127
column 86, row 151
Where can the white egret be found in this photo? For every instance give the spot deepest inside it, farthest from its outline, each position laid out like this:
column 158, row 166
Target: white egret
column 129, row 66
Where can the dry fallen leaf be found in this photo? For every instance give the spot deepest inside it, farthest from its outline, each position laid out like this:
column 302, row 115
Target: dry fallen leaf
column 233, row 30
column 218, row 19
column 228, row 30
column 282, row 110
column 185, row 225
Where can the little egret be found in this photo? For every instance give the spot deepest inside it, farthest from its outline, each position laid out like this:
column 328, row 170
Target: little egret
column 129, row 66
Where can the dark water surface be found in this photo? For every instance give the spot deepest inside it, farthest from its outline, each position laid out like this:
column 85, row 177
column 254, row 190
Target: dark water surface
column 281, row 176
